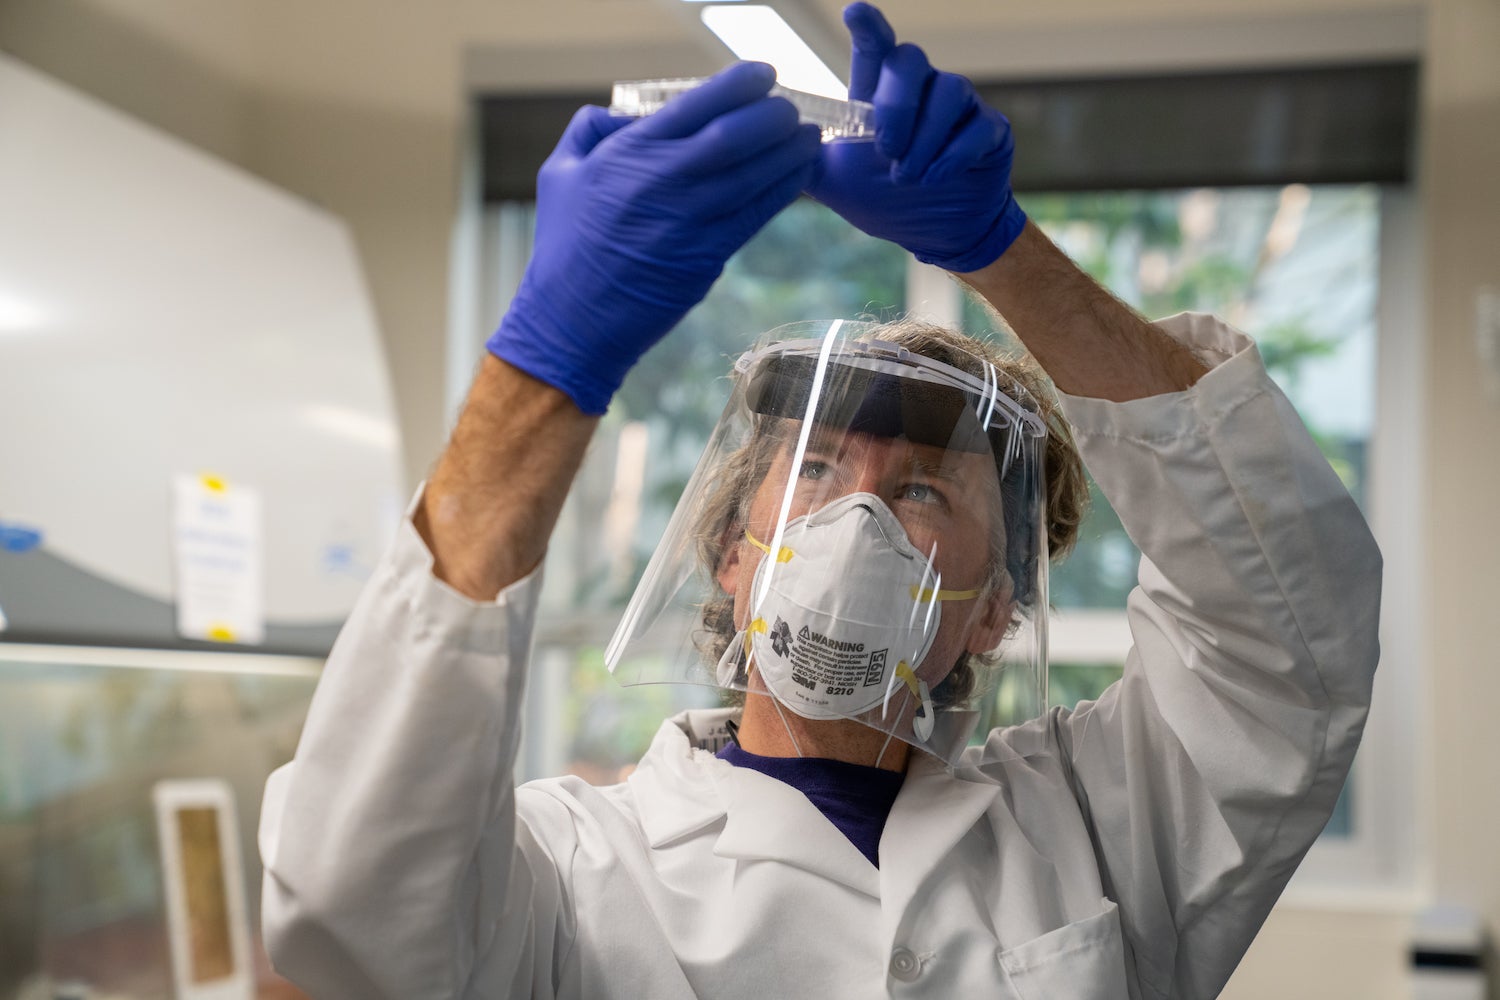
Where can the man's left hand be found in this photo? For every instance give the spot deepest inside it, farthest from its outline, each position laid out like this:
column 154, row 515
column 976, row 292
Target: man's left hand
column 936, row 180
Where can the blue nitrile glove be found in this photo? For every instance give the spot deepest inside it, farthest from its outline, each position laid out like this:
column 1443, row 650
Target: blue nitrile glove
column 936, row 180
column 634, row 222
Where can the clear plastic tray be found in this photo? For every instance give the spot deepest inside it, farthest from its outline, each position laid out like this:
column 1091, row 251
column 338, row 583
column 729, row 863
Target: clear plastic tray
column 841, row 120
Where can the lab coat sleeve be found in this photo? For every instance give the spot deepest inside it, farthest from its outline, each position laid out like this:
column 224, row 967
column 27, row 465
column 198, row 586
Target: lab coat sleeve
column 394, row 863
column 1209, row 770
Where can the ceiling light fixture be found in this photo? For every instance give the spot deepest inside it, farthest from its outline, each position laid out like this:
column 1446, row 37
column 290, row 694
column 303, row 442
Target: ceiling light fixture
column 757, row 32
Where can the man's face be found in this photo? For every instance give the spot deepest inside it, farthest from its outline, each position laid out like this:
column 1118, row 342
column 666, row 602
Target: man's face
column 948, row 502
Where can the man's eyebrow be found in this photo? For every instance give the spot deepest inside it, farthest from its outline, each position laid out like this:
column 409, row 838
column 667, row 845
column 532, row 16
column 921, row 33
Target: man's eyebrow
column 947, row 472
column 824, row 438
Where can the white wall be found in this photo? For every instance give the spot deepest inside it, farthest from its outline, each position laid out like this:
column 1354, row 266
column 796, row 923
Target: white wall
column 357, row 104
column 1460, row 173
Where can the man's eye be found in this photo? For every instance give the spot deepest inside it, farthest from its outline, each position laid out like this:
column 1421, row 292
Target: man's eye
column 813, row 469
column 920, row 493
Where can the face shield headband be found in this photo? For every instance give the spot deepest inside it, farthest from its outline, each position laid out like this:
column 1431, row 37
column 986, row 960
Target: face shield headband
column 876, row 454
column 889, row 392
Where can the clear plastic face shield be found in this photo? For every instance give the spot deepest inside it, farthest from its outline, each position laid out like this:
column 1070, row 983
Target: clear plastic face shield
column 864, row 538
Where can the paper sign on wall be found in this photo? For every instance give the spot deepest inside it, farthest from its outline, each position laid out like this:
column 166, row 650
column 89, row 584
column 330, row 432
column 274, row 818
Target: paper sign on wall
column 216, row 538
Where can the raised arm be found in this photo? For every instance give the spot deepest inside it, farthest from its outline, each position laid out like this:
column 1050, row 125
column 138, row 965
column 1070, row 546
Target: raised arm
column 493, row 499
column 633, row 227
column 937, row 182
column 396, row 862
column 1204, row 775
column 1089, row 342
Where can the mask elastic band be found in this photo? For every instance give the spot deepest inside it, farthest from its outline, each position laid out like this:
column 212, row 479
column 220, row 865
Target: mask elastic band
column 926, row 595
column 783, row 554
column 759, row 625
column 914, row 684
column 926, row 715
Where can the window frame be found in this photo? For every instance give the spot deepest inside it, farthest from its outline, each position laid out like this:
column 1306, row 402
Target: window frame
column 1377, row 864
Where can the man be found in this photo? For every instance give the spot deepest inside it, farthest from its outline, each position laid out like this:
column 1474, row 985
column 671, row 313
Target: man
column 929, row 468
column 1129, row 848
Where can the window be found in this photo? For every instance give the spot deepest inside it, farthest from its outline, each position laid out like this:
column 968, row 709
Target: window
column 1319, row 274
column 1295, row 264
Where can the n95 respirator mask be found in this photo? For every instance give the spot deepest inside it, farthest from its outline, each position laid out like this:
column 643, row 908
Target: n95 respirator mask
column 843, row 612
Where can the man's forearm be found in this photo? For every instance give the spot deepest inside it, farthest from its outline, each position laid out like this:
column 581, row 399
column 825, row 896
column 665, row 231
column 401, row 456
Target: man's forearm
column 1089, row 342
column 490, row 506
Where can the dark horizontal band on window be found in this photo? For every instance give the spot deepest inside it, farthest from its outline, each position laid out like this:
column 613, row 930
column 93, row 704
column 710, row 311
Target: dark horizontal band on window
column 1326, row 125
column 1421, row 959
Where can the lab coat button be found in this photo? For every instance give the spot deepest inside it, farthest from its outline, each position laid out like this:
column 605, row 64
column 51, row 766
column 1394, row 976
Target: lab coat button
column 904, row 965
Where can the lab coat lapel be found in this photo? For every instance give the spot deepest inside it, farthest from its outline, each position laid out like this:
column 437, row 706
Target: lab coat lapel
column 674, row 783
column 768, row 820
column 931, row 815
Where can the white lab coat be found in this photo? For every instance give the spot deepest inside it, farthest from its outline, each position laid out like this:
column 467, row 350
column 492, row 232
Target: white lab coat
column 1129, row 848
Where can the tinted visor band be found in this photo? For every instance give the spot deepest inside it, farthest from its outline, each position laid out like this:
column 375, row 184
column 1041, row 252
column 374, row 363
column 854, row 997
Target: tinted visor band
column 856, row 398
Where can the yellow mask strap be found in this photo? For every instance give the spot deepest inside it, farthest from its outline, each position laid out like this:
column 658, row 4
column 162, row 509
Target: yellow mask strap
column 783, row 554
column 759, row 625
column 908, row 676
column 926, row 715
column 922, row 595
column 926, row 595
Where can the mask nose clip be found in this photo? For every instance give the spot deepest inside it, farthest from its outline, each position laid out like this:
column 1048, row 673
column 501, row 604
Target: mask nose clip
column 880, row 524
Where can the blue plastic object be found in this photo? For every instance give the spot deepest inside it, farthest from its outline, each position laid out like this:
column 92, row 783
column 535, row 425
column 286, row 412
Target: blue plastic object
column 18, row 537
column 635, row 221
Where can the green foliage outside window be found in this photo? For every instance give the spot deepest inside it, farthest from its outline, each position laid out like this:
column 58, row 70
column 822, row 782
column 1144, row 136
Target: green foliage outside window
column 1294, row 267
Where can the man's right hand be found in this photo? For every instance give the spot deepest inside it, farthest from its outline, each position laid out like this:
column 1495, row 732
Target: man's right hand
column 936, row 180
column 636, row 220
